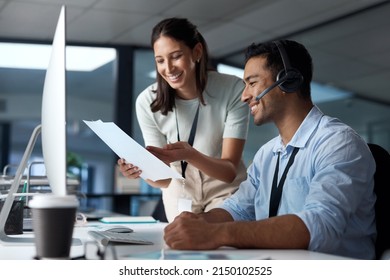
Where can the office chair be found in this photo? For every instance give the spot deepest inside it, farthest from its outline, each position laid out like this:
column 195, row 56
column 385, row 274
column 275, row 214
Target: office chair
column 382, row 204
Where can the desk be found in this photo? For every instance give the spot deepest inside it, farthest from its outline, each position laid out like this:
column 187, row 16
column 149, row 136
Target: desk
column 154, row 232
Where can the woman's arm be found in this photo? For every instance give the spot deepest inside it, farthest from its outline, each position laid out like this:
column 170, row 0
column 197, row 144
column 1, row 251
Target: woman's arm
column 224, row 168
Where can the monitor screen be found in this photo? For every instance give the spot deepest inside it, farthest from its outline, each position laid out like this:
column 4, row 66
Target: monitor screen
column 53, row 114
column 52, row 129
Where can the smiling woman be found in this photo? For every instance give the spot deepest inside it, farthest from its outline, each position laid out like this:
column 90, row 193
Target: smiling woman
column 175, row 115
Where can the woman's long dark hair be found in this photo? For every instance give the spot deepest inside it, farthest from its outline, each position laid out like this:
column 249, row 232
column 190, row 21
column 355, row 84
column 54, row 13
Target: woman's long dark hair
column 184, row 31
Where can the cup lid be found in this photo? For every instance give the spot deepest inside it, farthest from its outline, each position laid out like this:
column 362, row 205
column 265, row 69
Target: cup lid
column 53, row 201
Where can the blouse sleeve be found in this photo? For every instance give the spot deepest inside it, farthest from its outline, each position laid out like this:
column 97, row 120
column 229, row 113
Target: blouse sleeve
column 237, row 119
column 150, row 132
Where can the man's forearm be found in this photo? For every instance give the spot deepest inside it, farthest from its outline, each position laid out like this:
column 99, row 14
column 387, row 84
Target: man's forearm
column 217, row 215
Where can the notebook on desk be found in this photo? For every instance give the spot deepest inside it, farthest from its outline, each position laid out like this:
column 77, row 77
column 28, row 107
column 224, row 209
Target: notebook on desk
column 128, row 220
column 96, row 215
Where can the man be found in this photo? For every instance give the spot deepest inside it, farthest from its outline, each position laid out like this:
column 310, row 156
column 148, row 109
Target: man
column 324, row 202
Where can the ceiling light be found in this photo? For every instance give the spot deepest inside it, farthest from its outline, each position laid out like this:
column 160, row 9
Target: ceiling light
column 36, row 56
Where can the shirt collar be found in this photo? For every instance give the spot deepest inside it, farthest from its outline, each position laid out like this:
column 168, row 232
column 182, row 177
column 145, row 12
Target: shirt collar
column 304, row 132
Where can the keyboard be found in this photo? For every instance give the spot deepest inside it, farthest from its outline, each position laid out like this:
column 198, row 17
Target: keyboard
column 104, row 237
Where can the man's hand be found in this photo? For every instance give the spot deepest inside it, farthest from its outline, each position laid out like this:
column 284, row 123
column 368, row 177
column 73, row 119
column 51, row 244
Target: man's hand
column 190, row 231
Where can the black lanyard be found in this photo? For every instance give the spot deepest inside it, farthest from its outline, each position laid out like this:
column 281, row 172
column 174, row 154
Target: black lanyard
column 276, row 192
column 190, row 139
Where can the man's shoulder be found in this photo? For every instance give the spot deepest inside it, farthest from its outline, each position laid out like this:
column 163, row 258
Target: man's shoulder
column 334, row 125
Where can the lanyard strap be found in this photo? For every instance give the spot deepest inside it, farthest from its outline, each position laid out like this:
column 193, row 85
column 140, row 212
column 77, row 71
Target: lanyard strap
column 276, row 192
column 190, row 139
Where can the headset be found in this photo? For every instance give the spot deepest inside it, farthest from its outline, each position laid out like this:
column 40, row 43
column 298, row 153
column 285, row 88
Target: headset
column 288, row 79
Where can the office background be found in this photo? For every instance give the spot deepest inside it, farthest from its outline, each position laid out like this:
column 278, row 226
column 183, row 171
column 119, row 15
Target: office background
column 348, row 40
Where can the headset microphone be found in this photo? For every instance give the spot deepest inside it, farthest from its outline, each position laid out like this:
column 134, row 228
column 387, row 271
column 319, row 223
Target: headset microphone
column 268, row 89
column 288, row 79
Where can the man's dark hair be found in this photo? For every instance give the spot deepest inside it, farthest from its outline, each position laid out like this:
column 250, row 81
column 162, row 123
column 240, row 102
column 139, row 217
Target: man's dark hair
column 298, row 56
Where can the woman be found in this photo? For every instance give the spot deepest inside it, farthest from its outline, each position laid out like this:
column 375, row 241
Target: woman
column 188, row 97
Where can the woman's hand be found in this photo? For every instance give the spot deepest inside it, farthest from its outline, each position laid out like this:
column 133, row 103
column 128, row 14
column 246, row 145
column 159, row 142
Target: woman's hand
column 224, row 168
column 128, row 170
column 172, row 152
column 131, row 171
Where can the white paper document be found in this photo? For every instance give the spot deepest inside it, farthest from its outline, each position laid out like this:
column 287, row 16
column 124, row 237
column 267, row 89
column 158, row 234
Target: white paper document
column 125, row 147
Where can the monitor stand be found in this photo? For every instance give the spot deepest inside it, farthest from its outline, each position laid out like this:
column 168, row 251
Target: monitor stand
column 11, row 240
column 4, row 238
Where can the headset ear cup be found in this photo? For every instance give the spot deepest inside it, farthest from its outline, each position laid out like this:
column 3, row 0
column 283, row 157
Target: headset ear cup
column 293, row 81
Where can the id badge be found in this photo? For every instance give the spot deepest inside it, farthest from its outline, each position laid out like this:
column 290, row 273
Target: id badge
column 184, row 204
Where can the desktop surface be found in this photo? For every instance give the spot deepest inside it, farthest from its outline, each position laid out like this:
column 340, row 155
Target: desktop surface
column 158, row 250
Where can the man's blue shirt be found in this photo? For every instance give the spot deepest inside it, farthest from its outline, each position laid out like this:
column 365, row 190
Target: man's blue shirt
column 329, row 186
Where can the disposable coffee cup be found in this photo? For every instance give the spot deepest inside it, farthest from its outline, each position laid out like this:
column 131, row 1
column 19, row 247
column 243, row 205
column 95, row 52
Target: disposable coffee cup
column 53, row 219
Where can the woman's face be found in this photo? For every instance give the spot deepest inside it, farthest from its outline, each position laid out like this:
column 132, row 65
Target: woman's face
column 176, row 63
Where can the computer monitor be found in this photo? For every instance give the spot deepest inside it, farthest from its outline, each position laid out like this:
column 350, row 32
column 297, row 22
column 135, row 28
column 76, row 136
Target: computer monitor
column 52, row 129
column 53, row 114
